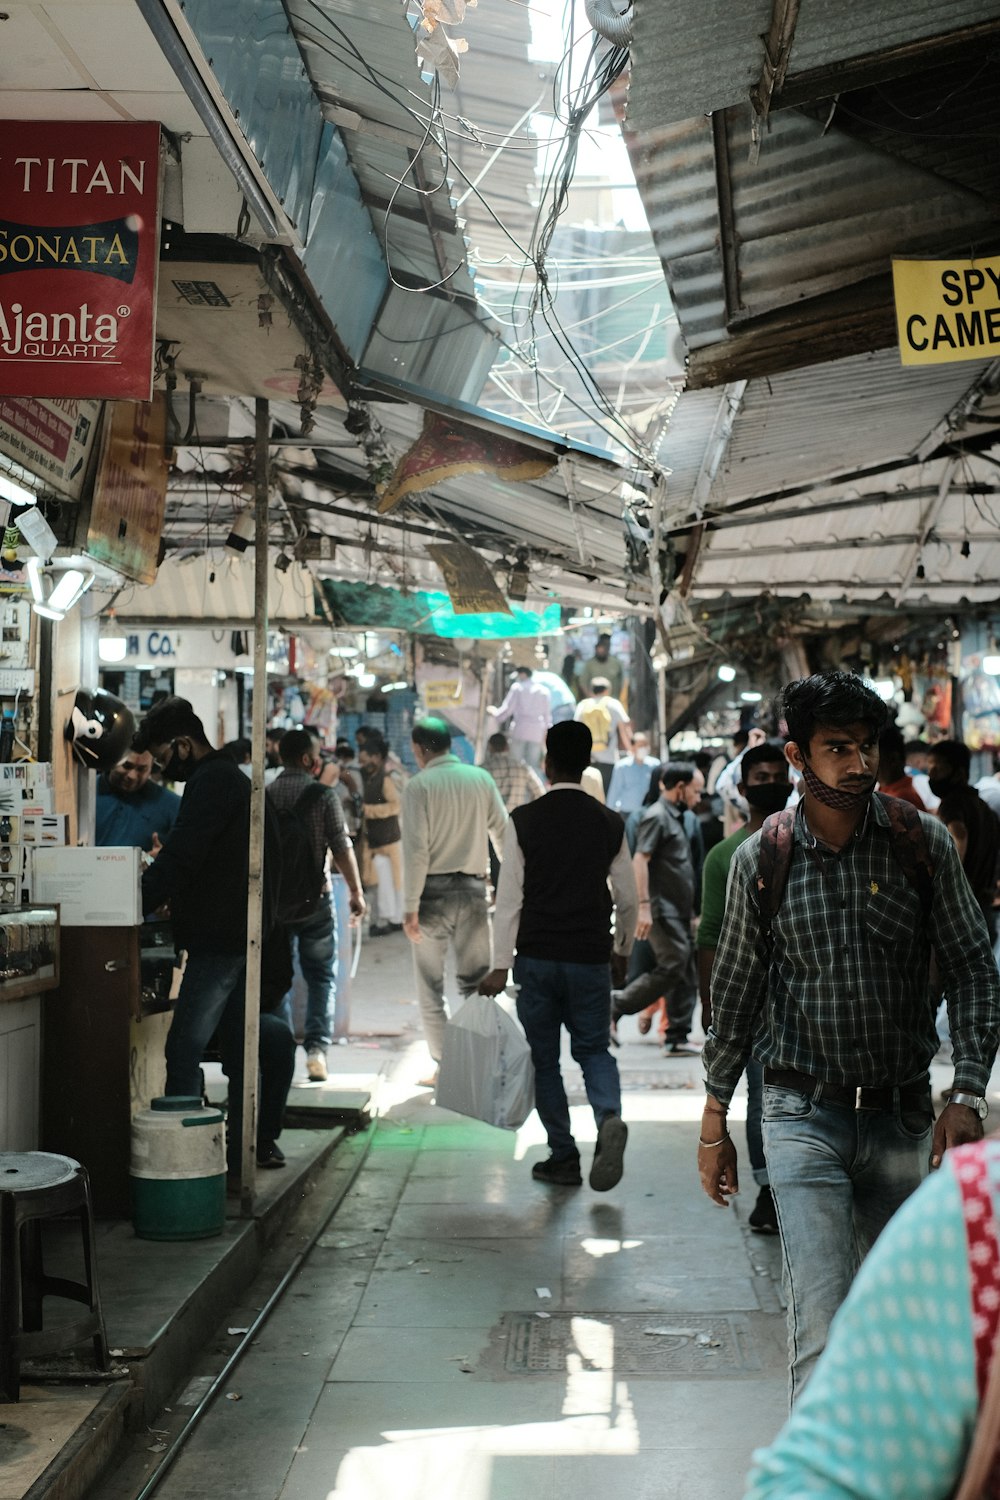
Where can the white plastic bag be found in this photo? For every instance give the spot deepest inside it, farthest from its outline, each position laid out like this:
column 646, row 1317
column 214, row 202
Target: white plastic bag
column 486, row 1069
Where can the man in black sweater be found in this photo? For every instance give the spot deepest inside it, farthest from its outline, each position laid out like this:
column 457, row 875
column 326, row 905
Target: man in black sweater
column 553, row 899
column 201, row 873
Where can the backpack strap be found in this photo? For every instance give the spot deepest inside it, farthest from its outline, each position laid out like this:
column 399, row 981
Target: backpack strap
column 774, row 856
column 909, row 845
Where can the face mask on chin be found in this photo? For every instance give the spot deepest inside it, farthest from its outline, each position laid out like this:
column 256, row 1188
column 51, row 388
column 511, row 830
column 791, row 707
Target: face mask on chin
column 639, row 752
column 835, row 797
column 768, row 797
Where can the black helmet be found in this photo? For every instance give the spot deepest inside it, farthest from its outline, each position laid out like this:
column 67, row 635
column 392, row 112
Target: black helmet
column 100, row 729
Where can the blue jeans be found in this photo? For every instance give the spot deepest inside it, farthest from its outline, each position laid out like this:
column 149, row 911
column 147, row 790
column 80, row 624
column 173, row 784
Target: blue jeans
column 316, row 941
column 551, row 995
column 212, row 999
column 838, row 1175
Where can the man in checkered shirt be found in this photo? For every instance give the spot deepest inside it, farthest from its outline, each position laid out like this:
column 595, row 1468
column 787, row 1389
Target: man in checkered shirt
column 516, row 782
column 833, row 997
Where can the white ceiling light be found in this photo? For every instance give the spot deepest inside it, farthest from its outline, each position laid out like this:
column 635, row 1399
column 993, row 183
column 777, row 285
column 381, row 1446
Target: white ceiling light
column 14, row 493
column 751, row 697
column 885, row 687
column 68, row 589
column 727, row 674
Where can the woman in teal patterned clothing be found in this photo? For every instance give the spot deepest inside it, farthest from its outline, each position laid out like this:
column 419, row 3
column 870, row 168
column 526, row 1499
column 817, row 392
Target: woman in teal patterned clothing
column 891, row 1407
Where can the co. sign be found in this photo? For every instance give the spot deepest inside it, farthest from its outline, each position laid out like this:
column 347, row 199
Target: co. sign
column 157, row 644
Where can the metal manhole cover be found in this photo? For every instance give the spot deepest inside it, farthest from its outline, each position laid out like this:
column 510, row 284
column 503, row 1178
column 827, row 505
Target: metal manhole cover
column 631, row 1343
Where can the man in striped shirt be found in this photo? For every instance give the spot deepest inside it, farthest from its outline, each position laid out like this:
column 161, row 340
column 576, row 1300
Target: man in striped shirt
column 833, row 998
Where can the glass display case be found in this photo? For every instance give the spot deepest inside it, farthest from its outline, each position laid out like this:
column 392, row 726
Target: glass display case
column 29, row 950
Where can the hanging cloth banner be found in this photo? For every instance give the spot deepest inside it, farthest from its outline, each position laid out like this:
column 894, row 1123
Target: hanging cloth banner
column 470, row 584
column 446, row 448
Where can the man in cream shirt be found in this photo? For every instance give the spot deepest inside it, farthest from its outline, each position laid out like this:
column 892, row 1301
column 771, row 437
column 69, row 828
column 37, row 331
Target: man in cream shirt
column 450, row 810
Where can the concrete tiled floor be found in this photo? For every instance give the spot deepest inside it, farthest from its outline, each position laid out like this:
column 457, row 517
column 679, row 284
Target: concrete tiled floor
column 383, row 1373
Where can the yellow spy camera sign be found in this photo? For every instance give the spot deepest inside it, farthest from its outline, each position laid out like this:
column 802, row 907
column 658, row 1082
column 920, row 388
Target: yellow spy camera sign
column 947, row 310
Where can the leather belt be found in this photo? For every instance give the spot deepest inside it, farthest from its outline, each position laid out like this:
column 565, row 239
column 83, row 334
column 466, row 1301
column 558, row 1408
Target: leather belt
column 851, row 1095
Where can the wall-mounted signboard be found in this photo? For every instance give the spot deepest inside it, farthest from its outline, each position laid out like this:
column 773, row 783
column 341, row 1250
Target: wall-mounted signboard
column 79, row 248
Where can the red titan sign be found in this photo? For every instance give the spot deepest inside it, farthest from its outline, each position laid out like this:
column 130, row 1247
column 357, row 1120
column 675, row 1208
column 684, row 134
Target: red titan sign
column 79, row 236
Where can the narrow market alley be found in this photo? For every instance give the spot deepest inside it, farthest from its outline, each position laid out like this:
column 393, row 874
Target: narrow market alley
column 460, row 1332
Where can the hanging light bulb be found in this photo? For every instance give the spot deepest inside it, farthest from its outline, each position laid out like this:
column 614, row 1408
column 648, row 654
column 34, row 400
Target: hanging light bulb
column 113, row 644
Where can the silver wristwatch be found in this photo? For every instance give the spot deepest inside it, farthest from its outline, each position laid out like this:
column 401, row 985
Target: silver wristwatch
column 971, row 1101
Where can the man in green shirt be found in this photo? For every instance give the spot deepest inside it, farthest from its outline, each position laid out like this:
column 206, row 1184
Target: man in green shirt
column 765, row 785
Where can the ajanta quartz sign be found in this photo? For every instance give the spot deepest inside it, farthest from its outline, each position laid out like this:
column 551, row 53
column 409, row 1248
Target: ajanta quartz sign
column 947, row 310
column 79, row 236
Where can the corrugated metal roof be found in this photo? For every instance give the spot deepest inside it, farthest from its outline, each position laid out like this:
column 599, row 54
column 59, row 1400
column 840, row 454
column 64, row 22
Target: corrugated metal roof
column 696, row 56
column 820, row 211
column 829, row 30
column 810, row 424
column 362, row 65
column 863, row 551
column 499, row 36
column 692, row 57
column 218, row 589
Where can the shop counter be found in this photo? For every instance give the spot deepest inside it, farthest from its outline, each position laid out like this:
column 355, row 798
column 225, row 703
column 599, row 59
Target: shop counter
column 29, row 965
column 104, row 1032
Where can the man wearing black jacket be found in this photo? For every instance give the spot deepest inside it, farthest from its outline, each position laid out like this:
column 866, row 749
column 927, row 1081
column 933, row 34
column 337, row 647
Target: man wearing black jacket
column 553, row 903
column 202, row 873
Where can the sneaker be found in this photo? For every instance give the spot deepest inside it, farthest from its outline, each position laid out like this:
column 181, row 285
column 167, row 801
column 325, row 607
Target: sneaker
column 607, row 1166
column 270, row 1156
column 763, row 1219
column 316, row 1064
column 562, row 1172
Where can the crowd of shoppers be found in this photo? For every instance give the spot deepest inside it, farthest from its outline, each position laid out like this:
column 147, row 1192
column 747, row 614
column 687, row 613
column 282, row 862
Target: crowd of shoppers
column 855, row 889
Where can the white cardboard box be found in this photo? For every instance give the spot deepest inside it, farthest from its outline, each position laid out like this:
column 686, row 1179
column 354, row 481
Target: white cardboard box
column 94, row 887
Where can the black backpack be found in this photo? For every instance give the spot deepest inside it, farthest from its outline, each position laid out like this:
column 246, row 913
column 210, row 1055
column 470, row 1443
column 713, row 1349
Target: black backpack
column 298, row 890
column 908, row 845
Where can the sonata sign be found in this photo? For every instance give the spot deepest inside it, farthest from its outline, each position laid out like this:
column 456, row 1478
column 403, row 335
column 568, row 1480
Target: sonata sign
column 79, row 247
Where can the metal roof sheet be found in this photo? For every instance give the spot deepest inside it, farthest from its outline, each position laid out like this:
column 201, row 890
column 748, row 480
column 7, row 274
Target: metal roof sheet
column 810, row 424
column 696, row 56
column 820, row 211
column 863, row 551
column 361, row 61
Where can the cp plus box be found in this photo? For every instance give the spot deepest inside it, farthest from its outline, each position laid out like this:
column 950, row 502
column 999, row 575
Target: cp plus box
column 94, row 887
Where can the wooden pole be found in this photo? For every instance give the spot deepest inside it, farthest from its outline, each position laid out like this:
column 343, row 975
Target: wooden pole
column 255, row 884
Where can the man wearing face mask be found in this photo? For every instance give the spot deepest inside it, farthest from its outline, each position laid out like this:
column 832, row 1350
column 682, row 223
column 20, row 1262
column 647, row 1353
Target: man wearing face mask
column 665, row 878
column 765, row 787
column 830, row 993
column 970, row 821
column 630, row 778
column 201, row 873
